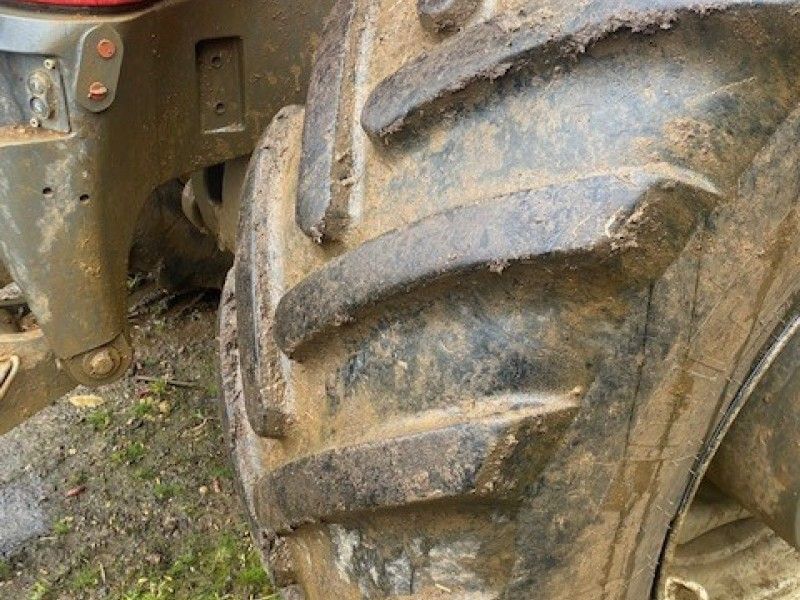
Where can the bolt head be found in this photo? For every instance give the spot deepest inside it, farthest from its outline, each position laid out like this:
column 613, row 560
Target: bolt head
column 49, row 63
column 38, row 83
column 40, row 108
column 98, row 91
column 106, row 48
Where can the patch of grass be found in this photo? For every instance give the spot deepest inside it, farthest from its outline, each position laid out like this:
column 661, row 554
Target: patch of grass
column 63, row 526
column 130, row 454
column 77, row 478
column 165, row 491
column 99, row 419
column 144, row 408
column 224, row 552
column 149, row 361
column 219, row 567
column 253, row 576
column 234, row 558
column 40, row 591
column 85, row 579
column 150, row 590
column 146, row 473
column 5, row 571
column 183, row 565
column 221, row 472
column 158, row 387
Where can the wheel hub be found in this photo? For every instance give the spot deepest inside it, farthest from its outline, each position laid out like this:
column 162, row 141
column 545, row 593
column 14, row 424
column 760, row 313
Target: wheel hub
column 738, row 538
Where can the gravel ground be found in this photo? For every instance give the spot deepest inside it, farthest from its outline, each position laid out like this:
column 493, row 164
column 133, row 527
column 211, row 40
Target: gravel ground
column 125, row 492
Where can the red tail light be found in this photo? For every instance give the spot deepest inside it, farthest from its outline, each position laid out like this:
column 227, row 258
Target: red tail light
column 87, row 3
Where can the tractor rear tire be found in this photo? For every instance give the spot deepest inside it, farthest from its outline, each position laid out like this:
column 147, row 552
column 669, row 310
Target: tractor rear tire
column 498, row 287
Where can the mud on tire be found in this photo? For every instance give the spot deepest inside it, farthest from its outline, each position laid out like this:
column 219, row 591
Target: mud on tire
column 497, row 285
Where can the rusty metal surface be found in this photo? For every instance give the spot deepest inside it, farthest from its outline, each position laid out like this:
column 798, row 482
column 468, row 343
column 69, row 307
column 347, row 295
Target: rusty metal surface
column 96, row 111
column 70, row 201
column 727, row 541
column 38, row 380
column 743, row 560
column 102, row 54
column 757, row 461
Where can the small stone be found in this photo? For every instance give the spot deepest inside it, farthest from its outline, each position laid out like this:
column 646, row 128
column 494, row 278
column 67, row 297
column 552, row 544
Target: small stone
column 75, row 492
column 86, row 401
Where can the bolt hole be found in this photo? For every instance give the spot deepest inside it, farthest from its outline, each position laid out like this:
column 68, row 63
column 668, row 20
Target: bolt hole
column 220, row 108
column 84, row 198
column 216, row 61
column 47, row 192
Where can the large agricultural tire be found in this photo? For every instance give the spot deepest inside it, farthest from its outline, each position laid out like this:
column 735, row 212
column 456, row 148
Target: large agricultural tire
column 498, row 287
column 5, row 277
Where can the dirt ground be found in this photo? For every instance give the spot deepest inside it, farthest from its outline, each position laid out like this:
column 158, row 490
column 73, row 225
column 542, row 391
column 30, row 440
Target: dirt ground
column 125, row 493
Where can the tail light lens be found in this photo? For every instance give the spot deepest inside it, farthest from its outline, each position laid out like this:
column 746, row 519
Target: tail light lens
column 87, row 3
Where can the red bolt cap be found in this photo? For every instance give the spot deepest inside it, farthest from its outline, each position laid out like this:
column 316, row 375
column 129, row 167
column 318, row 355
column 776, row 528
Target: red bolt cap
column 106, row 48
column 97, row 91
